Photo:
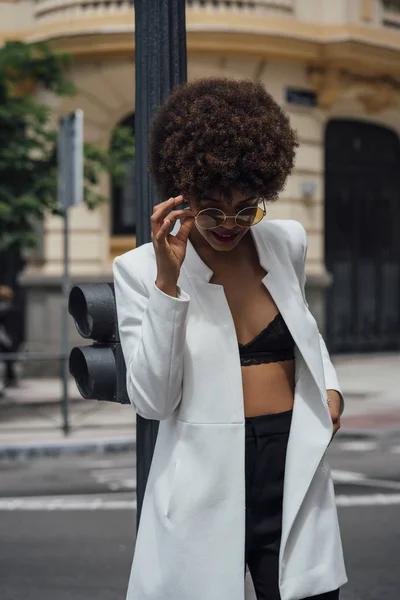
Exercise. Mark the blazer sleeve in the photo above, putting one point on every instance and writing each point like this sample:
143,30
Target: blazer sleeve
331,378
152,327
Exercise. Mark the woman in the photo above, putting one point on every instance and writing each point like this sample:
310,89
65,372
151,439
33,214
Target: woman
221,348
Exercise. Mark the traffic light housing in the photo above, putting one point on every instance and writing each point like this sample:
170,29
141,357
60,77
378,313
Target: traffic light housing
98,369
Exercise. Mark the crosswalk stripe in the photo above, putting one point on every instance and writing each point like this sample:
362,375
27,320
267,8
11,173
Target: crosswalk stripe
65,503
368,500
358,446
87,503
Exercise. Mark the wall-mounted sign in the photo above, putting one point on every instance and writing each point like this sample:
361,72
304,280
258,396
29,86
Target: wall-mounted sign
301,96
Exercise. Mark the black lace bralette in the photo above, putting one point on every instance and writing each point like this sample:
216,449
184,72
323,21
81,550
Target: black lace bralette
272,344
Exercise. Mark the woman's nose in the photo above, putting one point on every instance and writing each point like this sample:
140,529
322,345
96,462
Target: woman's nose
230,223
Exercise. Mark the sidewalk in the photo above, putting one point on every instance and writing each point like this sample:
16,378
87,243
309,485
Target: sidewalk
371,388
31,417
31,422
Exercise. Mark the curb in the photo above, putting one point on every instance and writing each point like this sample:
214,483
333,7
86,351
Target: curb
67,447
128,444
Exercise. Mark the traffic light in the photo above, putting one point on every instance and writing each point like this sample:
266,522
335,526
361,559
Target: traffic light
99,370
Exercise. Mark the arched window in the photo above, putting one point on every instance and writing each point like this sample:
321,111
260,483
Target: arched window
123,197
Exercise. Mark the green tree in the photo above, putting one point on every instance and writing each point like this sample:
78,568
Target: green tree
28,143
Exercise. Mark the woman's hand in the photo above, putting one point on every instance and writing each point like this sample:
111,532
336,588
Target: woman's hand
334,409
170,250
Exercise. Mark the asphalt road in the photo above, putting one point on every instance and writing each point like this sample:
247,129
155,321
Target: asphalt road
67,526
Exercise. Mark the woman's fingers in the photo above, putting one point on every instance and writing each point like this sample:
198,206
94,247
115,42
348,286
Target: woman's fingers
170,201
185,228
177,214
165,227
160,210
163,231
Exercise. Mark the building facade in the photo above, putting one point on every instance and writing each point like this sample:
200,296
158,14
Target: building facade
333,66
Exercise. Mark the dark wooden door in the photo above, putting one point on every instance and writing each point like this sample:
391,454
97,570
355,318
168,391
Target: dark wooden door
362,237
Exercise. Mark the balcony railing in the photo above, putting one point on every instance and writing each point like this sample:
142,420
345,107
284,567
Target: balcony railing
47,11
279,6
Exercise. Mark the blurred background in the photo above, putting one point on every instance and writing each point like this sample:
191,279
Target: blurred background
67,509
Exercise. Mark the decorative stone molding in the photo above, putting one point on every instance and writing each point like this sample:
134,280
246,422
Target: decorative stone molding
367,12
382,96
327,83
375,93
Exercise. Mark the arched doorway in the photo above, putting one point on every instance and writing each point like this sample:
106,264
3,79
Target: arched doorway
362,236
123,221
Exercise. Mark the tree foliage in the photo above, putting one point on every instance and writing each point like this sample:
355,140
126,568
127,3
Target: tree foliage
28,143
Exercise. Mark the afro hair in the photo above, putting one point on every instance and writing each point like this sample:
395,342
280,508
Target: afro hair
219,134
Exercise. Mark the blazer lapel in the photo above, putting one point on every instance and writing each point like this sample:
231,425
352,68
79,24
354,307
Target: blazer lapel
304,451
282,283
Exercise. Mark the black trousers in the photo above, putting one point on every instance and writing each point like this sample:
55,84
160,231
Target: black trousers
266,444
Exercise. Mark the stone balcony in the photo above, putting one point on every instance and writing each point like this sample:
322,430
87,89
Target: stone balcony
306,31
51,11
87,15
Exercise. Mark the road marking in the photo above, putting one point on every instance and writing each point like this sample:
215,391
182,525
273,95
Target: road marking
362,480
55,503
96,463
368,500
346,476
125,484
358,446
116,480
395,450
112,502
72,503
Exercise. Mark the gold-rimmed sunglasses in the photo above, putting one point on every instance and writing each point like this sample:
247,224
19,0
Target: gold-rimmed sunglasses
211,218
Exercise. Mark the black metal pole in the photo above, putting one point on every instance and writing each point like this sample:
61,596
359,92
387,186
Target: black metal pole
160,57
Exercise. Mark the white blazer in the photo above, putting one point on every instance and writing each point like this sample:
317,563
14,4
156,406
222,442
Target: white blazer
183,369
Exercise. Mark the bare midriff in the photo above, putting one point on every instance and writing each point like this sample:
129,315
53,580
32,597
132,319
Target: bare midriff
268,388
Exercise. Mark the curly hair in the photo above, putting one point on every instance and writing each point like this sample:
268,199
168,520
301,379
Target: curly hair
219,134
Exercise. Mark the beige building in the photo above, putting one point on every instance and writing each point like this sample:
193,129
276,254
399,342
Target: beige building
333,65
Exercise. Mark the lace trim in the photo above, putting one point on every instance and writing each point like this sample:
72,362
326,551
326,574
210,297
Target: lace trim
263,358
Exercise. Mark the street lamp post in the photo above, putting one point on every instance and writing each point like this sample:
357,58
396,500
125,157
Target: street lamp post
160,58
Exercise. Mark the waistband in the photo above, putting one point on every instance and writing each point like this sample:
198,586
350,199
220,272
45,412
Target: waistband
268,424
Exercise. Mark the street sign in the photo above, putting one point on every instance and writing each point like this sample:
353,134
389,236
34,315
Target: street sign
301,97
70,193
70,159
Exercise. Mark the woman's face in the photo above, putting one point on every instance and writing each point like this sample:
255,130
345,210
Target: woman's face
226,236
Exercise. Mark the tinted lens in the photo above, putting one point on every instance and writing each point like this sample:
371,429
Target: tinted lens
249,216
210,218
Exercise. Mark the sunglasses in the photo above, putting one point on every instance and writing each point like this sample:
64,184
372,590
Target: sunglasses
211,218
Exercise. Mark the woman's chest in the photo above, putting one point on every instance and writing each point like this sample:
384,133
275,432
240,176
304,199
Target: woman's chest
250,303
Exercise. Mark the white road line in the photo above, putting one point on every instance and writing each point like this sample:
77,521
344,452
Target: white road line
395,450
125,484
358,446
112,474
362,480
71,503
115,479
53,503
368,500
95,463
346,476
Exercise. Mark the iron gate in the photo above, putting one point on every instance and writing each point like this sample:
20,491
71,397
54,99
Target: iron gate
362,236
